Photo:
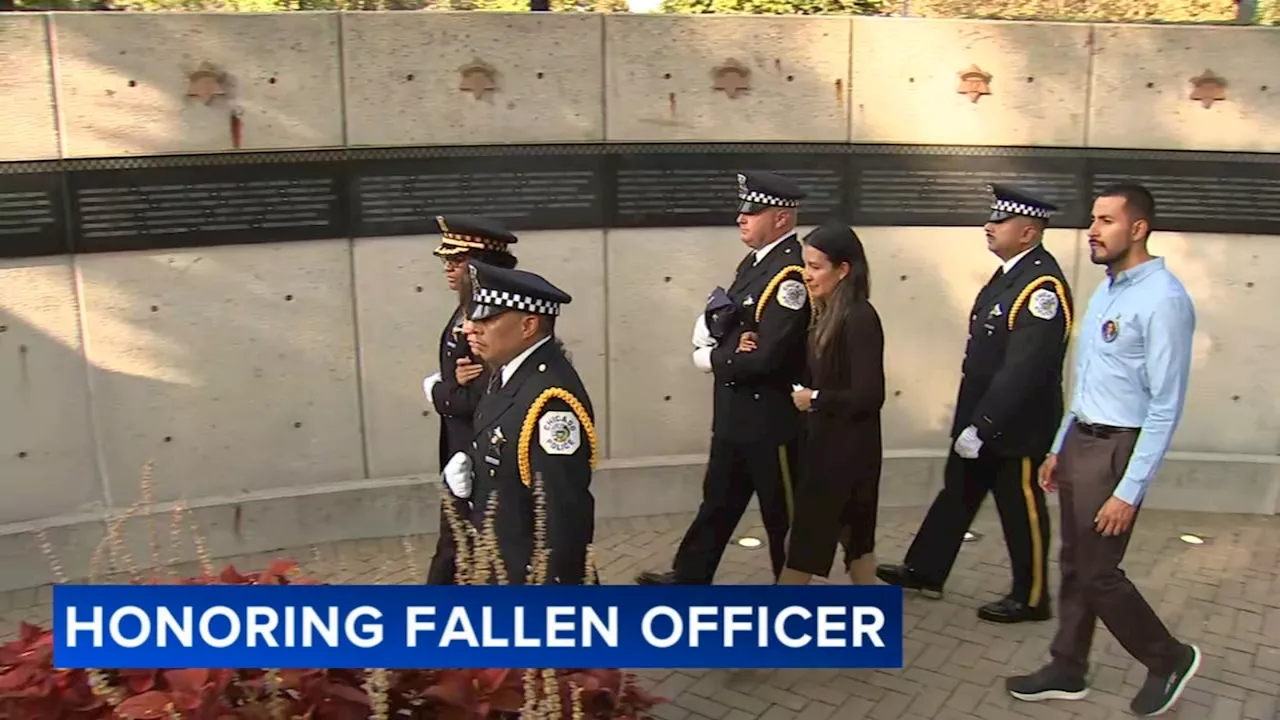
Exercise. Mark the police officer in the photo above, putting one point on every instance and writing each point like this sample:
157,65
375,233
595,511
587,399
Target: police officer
455,391
534,428
753,339
1006,416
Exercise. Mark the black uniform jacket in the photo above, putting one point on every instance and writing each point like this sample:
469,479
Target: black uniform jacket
1018,333
541,421
753,390
456,404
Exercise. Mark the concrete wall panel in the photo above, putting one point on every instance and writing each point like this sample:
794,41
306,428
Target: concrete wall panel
46,445
120,95
923,283
1142,87
658,283
660,78
27,113
404,72
233,368
404,304
1231,404
906,73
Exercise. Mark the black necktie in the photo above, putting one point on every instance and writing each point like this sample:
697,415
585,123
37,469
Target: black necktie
495,381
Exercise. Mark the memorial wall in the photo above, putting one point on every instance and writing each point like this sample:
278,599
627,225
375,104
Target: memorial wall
216,235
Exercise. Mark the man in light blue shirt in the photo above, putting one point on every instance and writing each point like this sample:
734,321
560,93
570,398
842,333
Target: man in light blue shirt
1132,368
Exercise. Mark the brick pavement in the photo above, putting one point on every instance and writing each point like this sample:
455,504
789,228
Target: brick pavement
1224,595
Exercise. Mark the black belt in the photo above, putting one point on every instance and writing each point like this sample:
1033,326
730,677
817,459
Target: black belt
1102,432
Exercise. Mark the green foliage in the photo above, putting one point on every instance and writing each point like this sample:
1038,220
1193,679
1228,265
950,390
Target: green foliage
1082,10
1269,12
780,7
1174,11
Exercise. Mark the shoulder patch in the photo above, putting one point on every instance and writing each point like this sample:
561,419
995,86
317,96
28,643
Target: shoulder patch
1043,304
792,294
559,432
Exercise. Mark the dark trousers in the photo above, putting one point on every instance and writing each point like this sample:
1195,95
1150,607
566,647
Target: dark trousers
734,471
442,570
1093,585
1023,515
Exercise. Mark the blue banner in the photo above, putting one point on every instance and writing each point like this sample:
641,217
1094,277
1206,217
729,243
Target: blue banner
404,626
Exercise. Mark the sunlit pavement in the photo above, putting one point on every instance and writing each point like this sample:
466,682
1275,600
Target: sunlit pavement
1223,595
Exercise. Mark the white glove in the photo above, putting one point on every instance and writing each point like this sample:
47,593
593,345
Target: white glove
968,444
701,335
457,475
702,359
429,386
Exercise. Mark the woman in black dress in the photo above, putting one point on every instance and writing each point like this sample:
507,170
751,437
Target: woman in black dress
841,455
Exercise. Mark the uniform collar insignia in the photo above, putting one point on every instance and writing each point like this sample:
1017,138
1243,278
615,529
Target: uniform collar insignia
749,301
497,439
995,311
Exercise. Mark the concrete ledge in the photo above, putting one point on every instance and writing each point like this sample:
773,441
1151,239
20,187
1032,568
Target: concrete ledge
392,507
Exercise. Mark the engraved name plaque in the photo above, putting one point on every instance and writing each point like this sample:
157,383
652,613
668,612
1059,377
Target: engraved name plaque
192,206
403,198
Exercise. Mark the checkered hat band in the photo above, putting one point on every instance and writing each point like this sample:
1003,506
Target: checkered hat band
766,199
515,301
473,242
1018,208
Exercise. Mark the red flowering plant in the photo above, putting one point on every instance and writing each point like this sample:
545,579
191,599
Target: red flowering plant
31,688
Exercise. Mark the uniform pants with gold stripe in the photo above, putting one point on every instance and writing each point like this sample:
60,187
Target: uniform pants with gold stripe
735,470
1023,514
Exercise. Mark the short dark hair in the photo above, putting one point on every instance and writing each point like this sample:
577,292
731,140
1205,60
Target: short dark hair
1138,202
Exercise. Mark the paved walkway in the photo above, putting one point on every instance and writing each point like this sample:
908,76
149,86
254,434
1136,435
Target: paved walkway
1224,595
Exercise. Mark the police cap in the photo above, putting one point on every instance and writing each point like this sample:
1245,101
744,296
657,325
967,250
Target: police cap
759,189
1008,202
464,233
496,290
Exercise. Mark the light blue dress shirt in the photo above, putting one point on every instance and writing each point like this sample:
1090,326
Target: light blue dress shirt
1133,364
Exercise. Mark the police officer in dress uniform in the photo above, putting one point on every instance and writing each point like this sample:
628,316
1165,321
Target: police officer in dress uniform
1006,417
455,391
535,420
755,424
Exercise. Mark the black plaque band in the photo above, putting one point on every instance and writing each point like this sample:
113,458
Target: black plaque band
138,203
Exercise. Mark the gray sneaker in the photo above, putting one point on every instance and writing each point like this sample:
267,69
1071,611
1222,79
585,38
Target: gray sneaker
1050,682
1158,694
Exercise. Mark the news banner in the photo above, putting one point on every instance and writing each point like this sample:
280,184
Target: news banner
402,626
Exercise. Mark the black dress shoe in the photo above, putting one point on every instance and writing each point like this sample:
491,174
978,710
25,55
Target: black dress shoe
656,578
1007,610
905,577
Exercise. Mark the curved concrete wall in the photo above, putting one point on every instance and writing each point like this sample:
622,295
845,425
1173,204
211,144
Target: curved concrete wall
276,387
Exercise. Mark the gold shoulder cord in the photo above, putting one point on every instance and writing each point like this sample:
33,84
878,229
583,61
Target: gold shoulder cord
531,419
1031,287
772,287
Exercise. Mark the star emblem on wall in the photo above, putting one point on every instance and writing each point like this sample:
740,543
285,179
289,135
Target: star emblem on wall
731,77
974,82
478,78
206,83
1208,87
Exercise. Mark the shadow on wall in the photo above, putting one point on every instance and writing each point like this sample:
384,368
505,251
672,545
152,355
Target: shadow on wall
235,368
405,74
661,80
118,96
1147,72
258,345
48,457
